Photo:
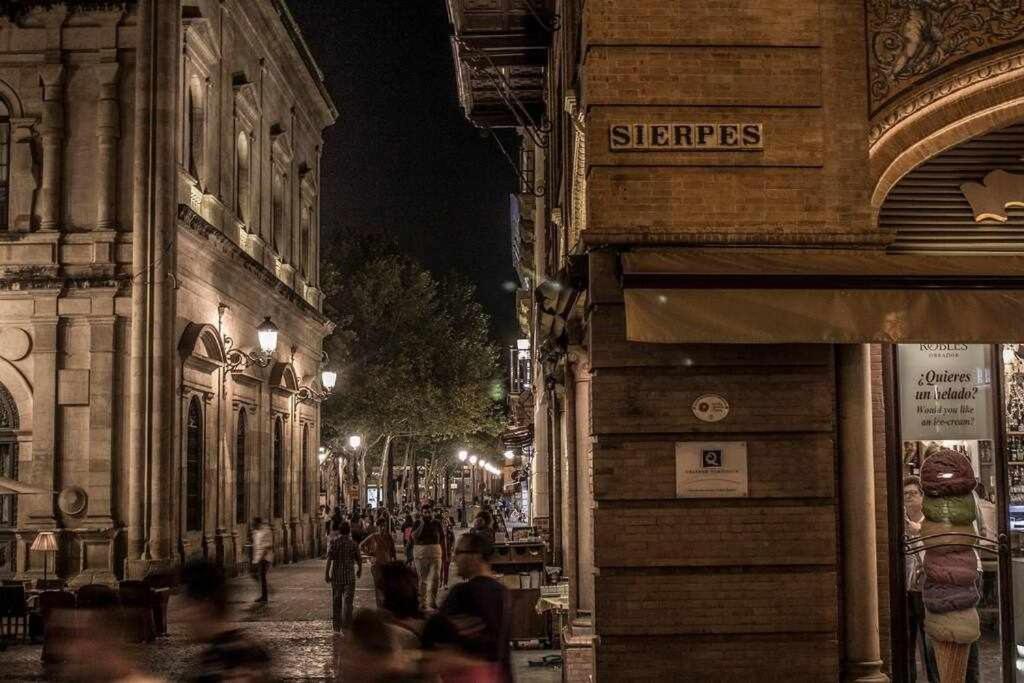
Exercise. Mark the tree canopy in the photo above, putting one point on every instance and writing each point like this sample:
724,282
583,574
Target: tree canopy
415,353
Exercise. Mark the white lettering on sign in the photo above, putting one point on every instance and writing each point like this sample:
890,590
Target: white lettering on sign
946,392
696,137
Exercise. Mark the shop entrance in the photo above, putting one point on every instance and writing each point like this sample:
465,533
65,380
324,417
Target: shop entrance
967,399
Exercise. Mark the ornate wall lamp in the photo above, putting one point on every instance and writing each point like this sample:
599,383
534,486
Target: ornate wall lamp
239,360
328,378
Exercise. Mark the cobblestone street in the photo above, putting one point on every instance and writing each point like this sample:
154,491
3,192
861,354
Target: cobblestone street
295,625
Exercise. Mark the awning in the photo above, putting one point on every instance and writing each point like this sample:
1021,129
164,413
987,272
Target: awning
8,485
822,297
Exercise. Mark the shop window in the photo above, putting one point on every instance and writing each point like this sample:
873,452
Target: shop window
196,127
194,453
5,162
8,456
278,466
240,469
243,179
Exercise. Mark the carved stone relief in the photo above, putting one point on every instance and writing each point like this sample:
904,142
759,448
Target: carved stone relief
911,40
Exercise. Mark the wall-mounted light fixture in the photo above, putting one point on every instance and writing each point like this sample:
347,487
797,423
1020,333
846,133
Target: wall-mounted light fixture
239,360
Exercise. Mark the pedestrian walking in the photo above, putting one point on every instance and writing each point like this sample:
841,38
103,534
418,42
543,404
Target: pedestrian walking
428,553
380,546
344,566
407,528
262,555
475,617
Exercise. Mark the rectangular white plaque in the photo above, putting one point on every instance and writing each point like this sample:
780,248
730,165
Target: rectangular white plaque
711,469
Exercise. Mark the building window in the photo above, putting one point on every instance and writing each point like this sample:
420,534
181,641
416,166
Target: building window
278,465
194,466
277,238
243,179
303,470
240,484
8,456
304,257
196,127
5,162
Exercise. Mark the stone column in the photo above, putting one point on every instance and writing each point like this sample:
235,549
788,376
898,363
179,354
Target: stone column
108,130
23,176
862,661
584,498
570,450
52,131
540,491
43,470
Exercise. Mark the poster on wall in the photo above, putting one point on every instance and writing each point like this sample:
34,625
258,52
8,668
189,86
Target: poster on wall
706,469
946,392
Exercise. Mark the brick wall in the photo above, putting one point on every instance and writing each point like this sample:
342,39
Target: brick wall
797,68
711,589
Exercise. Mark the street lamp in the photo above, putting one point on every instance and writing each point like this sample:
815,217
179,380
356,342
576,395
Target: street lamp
472,459
238,359
322,454
509,454
463,455
355,441
328,378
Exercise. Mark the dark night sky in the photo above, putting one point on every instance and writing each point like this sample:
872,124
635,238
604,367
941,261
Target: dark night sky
402,160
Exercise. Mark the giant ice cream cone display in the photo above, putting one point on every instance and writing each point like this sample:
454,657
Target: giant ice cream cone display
950,598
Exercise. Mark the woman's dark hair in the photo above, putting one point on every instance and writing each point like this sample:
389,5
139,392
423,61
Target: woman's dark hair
399,588
477,544
205,582
911,480
371,632
343,528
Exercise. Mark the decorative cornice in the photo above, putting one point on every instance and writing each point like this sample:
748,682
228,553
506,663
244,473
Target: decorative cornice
197,224
1002,65
911,42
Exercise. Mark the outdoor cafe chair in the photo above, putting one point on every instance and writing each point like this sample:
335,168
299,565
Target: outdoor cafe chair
96,596
138,606
13,611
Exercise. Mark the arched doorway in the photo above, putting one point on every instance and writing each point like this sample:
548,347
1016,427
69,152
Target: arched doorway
194,453
9,425
278,467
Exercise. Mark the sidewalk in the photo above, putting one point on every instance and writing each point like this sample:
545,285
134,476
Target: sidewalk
295,625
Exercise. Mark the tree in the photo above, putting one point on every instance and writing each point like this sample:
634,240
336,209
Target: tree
416,355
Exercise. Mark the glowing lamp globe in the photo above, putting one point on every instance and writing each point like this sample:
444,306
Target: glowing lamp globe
328,378
267,333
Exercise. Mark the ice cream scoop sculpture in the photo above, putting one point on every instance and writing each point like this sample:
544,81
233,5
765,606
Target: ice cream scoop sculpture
950,596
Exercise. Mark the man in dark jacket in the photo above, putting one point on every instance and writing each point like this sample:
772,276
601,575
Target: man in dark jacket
428,552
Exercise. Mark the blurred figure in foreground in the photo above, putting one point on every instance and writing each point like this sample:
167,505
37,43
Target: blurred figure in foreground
342,556
469,636
380,546
229,654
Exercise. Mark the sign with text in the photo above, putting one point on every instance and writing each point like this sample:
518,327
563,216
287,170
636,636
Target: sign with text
686,137
946,392
711,469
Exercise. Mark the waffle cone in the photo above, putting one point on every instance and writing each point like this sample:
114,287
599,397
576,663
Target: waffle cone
951,659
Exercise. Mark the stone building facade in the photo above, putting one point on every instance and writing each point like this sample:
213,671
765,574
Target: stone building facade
159,198
760,202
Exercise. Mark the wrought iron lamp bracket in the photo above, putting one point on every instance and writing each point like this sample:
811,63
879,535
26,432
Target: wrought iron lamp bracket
240,360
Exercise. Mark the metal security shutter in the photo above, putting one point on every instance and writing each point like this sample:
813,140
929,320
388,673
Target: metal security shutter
929,212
